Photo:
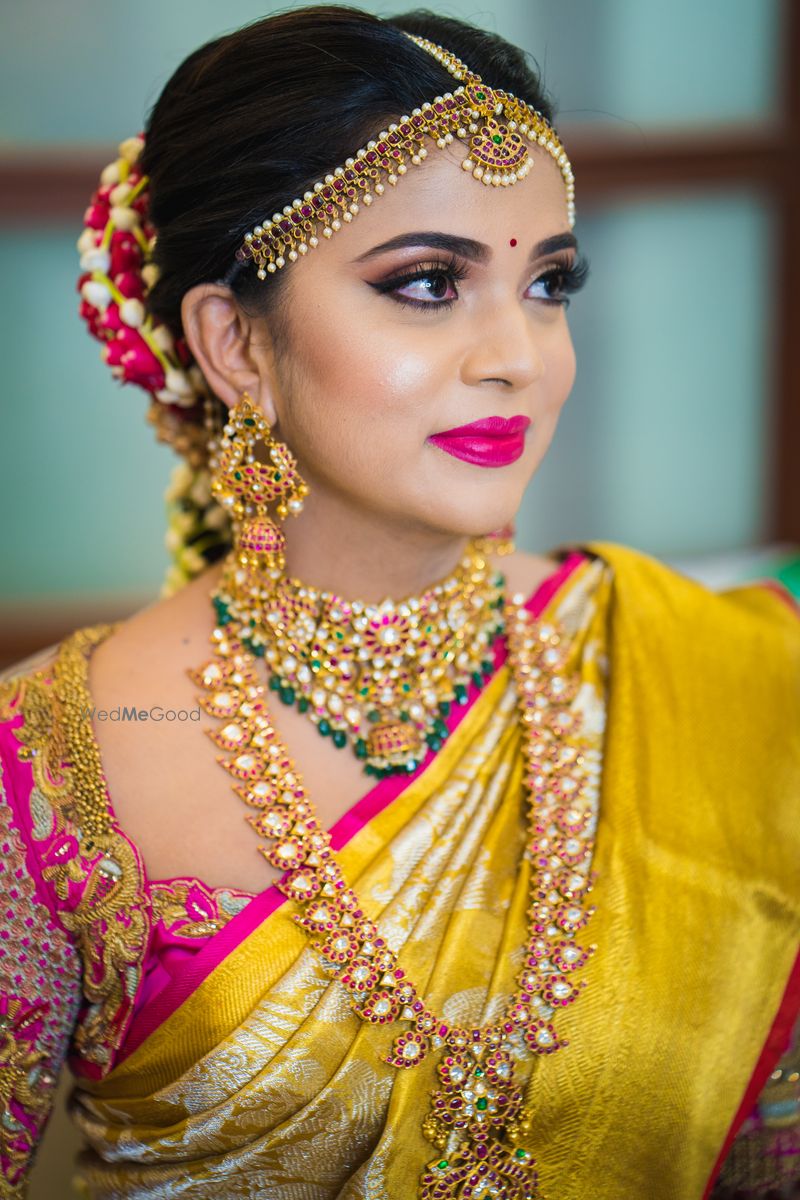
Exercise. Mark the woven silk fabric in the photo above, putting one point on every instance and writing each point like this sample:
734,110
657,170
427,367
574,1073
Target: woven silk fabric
264,1083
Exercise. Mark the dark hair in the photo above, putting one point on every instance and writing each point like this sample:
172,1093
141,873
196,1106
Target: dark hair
252,119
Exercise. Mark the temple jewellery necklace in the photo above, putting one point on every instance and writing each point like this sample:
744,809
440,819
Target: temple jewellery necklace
477,1120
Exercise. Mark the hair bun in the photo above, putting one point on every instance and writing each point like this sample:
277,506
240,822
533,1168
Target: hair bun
116,249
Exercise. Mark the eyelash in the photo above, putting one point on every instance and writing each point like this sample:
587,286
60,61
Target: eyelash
570,276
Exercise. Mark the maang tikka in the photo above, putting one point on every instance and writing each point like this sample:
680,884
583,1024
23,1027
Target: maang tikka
245,487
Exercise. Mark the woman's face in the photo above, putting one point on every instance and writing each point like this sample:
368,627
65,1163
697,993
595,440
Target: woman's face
439,305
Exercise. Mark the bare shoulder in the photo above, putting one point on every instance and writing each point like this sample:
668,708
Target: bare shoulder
149,651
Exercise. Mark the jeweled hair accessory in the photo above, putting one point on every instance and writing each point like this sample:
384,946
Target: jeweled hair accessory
500,129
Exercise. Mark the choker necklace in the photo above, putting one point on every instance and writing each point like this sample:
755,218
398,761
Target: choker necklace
379,677
477,1119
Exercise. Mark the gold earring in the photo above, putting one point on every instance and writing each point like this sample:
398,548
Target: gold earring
245,487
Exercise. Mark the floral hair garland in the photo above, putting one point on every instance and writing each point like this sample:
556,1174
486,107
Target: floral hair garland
116,249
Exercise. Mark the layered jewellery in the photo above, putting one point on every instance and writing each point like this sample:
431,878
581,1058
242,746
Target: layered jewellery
500,129
379,677
477,1119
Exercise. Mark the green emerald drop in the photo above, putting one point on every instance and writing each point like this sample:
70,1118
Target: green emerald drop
274,683
302,704
287,695
444,708
361,748
496,138
482,1104
324,727
339,738
249,421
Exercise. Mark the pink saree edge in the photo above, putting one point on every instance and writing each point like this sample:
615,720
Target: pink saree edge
774,1047
789,1007
263,905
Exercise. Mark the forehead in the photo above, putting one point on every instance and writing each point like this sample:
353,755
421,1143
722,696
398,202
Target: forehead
439,194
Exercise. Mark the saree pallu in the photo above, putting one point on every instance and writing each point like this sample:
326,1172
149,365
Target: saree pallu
250,1076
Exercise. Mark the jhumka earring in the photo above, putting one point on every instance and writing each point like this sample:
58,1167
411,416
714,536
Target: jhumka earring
245,487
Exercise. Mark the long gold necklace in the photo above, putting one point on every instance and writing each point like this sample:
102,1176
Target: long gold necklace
477,1119
380,677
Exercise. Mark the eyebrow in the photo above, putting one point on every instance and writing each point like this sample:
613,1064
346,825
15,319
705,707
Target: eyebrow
465,247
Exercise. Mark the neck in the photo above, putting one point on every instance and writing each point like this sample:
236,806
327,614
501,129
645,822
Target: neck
360,555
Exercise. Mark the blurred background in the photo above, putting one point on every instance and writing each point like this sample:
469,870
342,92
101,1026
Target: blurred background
682,435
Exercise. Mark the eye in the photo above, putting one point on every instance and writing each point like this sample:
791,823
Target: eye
433,285
562,279
435,280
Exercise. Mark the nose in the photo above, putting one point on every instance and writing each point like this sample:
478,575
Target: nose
505,347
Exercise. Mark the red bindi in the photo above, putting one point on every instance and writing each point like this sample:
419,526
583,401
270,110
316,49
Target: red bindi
513,242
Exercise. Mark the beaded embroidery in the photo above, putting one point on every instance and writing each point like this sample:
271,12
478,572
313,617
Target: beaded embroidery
36,960
190,909
94,869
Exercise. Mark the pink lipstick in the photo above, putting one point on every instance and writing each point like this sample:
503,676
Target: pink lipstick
493,442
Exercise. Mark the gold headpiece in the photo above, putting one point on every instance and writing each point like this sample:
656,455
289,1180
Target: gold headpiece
498,125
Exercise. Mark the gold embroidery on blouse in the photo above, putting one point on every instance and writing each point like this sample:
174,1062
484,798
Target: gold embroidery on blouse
95,870
189,908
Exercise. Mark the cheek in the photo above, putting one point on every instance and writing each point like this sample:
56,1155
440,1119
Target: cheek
368,370
560,372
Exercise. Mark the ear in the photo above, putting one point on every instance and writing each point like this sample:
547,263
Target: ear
220,336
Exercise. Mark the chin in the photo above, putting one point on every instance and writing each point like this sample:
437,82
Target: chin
477,516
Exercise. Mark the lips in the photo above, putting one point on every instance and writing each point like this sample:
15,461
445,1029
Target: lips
492,442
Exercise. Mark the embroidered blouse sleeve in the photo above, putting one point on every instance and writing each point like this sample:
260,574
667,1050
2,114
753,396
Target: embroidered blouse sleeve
40,987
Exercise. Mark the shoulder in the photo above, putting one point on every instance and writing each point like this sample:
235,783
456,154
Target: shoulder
147,652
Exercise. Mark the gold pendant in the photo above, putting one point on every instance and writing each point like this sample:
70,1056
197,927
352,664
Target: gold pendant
481,1171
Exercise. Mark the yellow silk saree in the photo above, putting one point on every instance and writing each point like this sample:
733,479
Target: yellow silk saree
250,1076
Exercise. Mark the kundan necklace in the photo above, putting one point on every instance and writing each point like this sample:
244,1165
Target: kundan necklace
477,1119
380,677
